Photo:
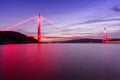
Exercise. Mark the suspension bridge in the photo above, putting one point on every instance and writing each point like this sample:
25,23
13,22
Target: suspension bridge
39,36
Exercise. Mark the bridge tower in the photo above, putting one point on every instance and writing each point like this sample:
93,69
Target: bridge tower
39,29
105,37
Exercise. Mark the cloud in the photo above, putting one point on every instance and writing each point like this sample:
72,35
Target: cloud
93,21
116,34
116,9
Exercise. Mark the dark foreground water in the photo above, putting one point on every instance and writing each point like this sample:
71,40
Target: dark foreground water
60,62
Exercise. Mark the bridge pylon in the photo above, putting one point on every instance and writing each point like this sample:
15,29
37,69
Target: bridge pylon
105,37
39,29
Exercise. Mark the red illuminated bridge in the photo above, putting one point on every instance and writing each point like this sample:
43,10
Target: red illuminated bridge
39,36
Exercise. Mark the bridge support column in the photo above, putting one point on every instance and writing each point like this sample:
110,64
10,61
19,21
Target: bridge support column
39,29
105,37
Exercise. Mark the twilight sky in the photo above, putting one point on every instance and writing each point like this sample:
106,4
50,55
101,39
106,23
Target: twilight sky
75,17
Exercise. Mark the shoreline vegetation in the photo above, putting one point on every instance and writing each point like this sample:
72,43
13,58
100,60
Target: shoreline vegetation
12,37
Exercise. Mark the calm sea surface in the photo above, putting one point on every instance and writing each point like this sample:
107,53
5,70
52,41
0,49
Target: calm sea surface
60,62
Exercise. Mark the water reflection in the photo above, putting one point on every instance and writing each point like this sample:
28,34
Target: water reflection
60,62
28,62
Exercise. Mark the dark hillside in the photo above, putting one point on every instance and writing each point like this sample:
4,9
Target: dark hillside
7,37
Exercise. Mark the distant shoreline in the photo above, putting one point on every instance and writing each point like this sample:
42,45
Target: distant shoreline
11,37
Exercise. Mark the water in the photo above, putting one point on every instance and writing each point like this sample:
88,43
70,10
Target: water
60,62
